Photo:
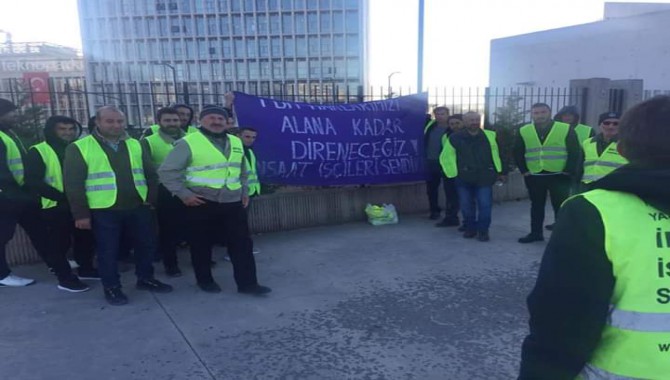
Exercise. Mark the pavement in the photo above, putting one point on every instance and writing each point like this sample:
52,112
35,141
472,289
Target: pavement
353,301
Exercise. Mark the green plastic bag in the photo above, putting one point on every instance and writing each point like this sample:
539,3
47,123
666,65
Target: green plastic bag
380,215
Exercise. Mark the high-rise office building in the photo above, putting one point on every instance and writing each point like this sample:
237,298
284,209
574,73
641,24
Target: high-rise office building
267,47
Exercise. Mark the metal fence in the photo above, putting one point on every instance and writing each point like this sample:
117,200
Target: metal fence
140,101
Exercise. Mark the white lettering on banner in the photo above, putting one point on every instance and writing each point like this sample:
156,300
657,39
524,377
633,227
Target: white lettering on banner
342,151
377,127
372,167
283,169
385,105
308,125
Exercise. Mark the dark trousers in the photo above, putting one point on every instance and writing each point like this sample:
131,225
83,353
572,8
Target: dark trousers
108,226
62,235
435,177
170,213
476,204
558,187
27,215
206,225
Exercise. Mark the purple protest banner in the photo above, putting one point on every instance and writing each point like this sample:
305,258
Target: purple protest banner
339,144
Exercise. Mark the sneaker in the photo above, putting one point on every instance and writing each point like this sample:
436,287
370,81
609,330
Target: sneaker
447,223
115,296
16,281
153,285
210,287
88,274
469,234
530,238
434,216
173,271
73,285
550,227
483,236
73,264
255,290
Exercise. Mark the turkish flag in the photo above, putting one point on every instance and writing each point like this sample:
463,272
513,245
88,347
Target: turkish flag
39,86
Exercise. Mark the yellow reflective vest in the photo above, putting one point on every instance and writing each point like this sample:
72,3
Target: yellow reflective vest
596,167
252,174
583,132
159,148
101,187
448,157
53,175
635,342
13,158
550,156
155,128
209,167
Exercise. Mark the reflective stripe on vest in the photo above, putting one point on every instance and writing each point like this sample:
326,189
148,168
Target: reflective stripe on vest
596,167
550,156
101,190
448,156
209,167
158,148
430,123
252,174
13,158
635,342
53,175
583,132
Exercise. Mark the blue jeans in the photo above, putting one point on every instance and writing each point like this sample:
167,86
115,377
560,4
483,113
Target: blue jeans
107,227
476,202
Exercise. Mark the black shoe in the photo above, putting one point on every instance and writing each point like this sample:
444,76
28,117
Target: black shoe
461,229
153,285
88,274
173,271
447,223
210,287
255,290
469,234
483,236
434,216
550,227
115,296
530,238
73,285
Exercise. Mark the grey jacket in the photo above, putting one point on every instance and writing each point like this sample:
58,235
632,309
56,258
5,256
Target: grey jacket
172,174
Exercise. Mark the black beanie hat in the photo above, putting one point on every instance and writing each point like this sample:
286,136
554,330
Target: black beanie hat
608,115
214,109
6,106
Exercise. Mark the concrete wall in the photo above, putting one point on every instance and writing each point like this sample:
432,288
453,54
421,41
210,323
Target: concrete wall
287,211
621,48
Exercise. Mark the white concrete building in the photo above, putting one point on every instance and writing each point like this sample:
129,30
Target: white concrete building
630,43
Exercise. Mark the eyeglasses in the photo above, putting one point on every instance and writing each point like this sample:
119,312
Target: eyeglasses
613,123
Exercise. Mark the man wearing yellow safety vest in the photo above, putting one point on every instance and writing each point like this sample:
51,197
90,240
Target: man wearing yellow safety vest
207,171
601,155
547,154
601,306
570,115
473,158
110,184
44,177
17,204
248,136
185,113
436,131
169,209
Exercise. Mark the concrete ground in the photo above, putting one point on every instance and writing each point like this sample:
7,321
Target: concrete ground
408,301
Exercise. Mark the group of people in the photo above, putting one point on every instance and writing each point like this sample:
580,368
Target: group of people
558,156
177,184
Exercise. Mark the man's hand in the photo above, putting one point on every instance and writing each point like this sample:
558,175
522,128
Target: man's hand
229,98
83,224
245,201
193,201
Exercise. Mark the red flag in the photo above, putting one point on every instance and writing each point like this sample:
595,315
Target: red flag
39,86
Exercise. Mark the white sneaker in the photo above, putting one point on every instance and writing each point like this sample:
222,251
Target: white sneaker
16,281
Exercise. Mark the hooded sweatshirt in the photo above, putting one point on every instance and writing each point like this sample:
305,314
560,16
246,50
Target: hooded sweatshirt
569,110
570,302
35,166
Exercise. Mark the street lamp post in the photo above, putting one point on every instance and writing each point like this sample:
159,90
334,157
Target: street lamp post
174,77
390,95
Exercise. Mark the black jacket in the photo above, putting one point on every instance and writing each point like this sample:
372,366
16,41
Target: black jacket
35,167
10,190
426,134
571,143
474,158
570,302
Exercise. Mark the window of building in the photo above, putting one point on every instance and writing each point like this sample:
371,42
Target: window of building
193,73
261,5
289,47
326,46
185,6
325,22
289,73
213,47
312,23
312,4
163,27
165,50
303,72
327,68
203,49
212,26
265,70
200,27
299,4
277,69
179,71
236,5
351,4
263,47
253,70
339,68
301,46
338,45
187,27
287,23
228,70
224,25
241,68
250,23
237,25
353,68
262,24
210,6
274,24
239,48
217,71
153,49
300,23
338,22
161,7
227,48
223,6
178,50
351,21
273,5
314,48
275,46
248,5
129,51
138,29
191,52
141,51
286,5
352,44
175,28
336,4
127,28
314,69
324,4
251,48
204,71
199,6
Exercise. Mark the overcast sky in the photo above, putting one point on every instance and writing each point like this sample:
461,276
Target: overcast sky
457,33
